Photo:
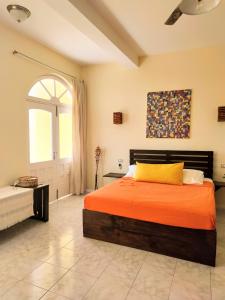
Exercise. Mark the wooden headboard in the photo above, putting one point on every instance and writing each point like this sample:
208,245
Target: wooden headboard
199,160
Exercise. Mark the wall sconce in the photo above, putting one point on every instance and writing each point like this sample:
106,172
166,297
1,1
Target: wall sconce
221,114
117,118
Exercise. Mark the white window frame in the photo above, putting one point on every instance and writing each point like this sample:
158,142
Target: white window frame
38,103
51,109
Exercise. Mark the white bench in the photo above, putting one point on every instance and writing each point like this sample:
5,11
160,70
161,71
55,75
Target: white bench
16,205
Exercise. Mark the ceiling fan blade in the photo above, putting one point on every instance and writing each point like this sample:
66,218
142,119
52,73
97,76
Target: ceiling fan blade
176,14
198,7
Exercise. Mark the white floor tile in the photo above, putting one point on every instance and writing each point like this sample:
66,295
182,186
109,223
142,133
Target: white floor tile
24,291
53,296
108,287
191,281
46,275
136,295
73,285
64,258
6,282
37,256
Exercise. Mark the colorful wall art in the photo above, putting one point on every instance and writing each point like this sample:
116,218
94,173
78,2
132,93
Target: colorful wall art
169,114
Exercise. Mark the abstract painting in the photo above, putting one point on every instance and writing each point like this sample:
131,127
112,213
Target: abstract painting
169,114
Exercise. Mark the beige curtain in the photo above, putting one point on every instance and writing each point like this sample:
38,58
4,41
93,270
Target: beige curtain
78,168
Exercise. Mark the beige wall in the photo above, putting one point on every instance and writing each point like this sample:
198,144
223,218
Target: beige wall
115,88
16,77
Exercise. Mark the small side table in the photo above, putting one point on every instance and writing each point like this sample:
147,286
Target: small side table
114,175
41,202
219,184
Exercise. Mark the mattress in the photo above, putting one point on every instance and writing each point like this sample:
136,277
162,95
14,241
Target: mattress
189,206
16,205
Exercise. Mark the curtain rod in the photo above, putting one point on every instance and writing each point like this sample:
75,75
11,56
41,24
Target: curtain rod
15,52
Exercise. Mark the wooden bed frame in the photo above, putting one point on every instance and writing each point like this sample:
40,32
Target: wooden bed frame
195,245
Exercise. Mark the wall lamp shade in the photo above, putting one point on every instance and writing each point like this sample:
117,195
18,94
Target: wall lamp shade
117,118
221,114
18,13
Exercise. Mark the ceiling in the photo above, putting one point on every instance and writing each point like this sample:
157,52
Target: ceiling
143,21
53,30
99,31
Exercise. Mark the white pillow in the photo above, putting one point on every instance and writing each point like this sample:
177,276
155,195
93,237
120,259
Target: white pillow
191,176
208,179
131,171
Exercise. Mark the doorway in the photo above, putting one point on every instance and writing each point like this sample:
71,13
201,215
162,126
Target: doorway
50,135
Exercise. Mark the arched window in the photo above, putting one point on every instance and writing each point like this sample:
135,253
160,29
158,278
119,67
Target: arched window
50,120
51,89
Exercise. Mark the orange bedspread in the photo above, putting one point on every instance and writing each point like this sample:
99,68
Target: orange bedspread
190,206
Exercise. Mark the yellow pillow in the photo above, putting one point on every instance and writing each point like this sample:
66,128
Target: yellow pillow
160,173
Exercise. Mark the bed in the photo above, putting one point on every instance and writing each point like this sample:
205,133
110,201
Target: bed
167,226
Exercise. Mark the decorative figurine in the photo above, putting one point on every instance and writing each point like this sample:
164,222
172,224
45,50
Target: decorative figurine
97,158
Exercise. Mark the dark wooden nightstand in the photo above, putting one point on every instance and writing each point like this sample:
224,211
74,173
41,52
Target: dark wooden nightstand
219,184
41,202
114,175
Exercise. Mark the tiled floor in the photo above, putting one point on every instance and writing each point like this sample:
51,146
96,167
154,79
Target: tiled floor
53,261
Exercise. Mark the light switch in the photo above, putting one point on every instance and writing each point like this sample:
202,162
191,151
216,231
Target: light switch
120,163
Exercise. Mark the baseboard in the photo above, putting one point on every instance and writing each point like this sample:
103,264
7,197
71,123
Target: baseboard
66,196
86,192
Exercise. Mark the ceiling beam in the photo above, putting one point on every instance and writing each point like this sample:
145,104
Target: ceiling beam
82,15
